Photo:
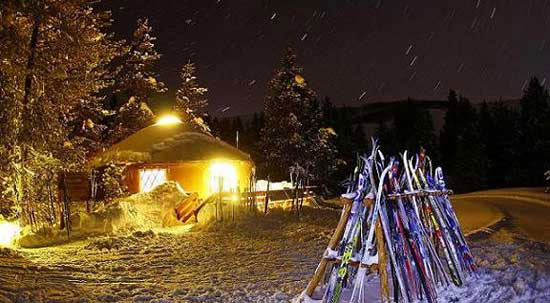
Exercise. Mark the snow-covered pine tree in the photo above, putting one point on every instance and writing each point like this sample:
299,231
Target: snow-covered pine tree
52,55
191,100
134,82
291,134
86,125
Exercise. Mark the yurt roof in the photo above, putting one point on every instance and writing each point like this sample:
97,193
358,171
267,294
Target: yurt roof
168,144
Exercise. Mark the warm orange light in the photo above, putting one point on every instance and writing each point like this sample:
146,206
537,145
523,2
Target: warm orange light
224,171
168,120
8,233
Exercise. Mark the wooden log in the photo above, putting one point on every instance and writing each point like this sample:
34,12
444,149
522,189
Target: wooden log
333,243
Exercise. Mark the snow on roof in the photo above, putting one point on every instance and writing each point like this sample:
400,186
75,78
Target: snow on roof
168,144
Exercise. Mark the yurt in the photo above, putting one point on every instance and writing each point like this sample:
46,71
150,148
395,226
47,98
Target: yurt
170,151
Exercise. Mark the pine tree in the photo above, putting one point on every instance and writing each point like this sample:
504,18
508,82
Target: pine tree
534,136
53,54
329,113
135,81
412,128
292,124
86,125
469,149
503,147
136,76
471,165
191,99
385,135
449,133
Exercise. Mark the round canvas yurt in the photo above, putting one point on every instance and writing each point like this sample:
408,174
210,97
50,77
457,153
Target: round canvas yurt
170,151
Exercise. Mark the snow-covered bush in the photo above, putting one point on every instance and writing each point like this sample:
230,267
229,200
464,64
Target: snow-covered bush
112,181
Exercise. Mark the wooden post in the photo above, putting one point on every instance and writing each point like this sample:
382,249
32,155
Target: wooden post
233,207
220,198
382,264
333,243
267,195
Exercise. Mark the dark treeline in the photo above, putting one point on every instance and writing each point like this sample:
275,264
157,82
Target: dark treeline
490,145
350,139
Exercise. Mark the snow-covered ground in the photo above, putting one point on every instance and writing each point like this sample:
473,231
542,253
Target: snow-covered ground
510,270
259,259
263,259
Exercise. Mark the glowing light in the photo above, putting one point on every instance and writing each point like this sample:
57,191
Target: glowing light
224,171
8,232
151,178
168,120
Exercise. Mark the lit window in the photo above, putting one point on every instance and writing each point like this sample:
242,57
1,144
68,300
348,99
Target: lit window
228,175
151,178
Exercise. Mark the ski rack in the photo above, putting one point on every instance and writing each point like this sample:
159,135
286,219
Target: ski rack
410,238
420,193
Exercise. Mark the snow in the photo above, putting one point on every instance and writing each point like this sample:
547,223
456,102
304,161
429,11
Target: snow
256,259
140,211
261,185
168,143
508,272
260,259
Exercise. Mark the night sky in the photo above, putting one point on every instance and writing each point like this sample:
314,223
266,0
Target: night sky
352,51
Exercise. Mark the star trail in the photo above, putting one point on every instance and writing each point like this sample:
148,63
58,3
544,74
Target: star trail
352,51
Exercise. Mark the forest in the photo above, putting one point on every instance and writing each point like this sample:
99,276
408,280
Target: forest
507,142
70,88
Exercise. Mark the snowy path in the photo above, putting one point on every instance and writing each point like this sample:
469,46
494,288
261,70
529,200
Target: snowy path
524,212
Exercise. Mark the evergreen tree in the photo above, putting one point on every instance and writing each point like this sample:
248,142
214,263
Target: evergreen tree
136,76
135,81
254,131
471,165
360,139
345,140
412,128
329,113
534,136
292,128
385,135
191,100
85,123
449,133
214,126
54,55
502,147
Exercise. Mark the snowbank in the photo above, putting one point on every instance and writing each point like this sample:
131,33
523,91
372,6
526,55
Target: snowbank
142,211
517,271
261,185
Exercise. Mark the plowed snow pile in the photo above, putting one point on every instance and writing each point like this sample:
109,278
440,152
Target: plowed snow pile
141,211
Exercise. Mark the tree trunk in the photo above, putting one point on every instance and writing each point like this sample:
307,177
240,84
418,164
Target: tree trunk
24,112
